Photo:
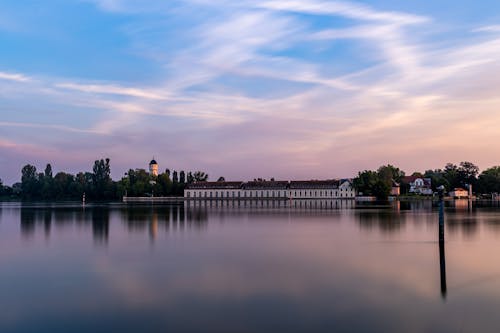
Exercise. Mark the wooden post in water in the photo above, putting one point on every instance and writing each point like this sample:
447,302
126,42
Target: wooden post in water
469,199
442,261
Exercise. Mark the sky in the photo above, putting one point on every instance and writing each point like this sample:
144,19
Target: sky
290,89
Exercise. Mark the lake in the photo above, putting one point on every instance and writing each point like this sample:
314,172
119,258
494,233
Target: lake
302,266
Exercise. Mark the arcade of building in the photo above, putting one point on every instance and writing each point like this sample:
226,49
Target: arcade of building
315,189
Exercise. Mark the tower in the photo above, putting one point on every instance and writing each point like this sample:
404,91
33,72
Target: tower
153,168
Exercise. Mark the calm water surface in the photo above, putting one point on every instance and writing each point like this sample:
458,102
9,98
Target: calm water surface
252,267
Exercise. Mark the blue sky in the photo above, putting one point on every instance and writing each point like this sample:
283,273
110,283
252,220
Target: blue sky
273,88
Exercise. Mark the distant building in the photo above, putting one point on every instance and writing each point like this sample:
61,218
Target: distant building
153,168
459,193
418,185
315,189
395,188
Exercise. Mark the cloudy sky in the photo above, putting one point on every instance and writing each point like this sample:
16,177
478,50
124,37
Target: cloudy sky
291,89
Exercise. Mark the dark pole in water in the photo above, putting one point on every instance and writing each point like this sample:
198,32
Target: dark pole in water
442,262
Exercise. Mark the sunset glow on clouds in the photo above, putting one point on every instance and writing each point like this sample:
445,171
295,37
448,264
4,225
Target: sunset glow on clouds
279,88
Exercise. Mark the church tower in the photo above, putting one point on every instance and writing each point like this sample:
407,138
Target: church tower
153,168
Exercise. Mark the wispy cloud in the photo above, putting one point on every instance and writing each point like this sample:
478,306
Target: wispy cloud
346,9
114,90
14,77
488,28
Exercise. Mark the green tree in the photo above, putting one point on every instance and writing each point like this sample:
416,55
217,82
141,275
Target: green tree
182,177
452,176
365,182
437,178
190,178
175,177
489,180
200,176
101,180
381,189
47,183
388,173
48,171
30,186
468,172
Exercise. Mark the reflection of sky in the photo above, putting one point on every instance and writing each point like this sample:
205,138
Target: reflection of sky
247,89
236,269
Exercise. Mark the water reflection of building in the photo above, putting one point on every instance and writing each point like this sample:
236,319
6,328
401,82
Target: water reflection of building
315,204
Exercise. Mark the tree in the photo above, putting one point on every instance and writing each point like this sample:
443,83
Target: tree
381,190
451,174
47,183
378,183
190,177
467,173
200,176
388,173
48,171
182,177
29,182
437,178
489,180
365,182
101,179
221,179
175,177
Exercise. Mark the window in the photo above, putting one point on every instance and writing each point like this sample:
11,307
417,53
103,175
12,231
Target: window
189,194
210,194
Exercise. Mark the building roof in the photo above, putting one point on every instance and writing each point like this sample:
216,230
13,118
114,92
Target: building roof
314,184
258,185
152,162
214,185
411,179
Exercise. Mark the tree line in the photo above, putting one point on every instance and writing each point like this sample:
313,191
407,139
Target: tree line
379,182
97,185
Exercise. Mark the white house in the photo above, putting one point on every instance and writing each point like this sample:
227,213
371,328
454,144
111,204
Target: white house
419,185
459,193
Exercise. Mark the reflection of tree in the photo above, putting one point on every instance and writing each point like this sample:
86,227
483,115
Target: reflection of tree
100,224
385,220
27,221
47,221
467,223
139,218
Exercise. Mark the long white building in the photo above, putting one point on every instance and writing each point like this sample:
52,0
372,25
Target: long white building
315,189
